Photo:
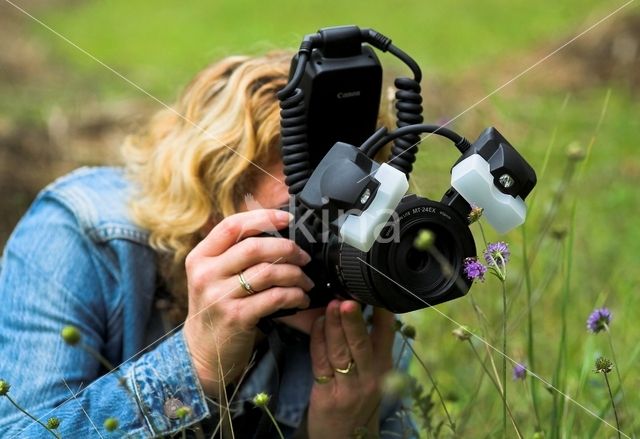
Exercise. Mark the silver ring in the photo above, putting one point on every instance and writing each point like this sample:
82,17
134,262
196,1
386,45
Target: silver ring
347,369
246,285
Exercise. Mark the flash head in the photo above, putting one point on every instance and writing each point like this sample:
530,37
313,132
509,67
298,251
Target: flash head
493,175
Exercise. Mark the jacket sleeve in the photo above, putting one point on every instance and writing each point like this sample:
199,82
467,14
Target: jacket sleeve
49,279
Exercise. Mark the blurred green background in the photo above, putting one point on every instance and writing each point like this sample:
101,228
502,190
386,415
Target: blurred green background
60,108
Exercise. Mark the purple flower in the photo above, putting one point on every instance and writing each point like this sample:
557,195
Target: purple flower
474,270
497,253
519,372
599,320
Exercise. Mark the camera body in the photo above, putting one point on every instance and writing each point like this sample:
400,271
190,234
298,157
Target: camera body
352,214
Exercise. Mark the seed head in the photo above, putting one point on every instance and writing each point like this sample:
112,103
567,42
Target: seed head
183,412
111,424
575,153
603,365
409,331
424,240
519,372
4,387
71,335
462,333
261,399
558,233
474,270
53,423
599,320
475,214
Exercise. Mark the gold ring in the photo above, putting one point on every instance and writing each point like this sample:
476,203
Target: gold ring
347,369
323,379
245,284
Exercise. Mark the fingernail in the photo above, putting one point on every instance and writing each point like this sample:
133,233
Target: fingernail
311,283
284,216
305,257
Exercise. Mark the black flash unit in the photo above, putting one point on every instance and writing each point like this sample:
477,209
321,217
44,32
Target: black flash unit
342,83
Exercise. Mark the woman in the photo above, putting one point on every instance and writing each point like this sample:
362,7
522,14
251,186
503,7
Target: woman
125,256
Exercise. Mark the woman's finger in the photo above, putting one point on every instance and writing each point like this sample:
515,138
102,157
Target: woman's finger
322,371
337,348
241,225
357,337
265,275
252,251
255,306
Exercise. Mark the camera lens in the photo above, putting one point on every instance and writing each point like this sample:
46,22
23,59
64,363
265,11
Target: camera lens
428,268
398,276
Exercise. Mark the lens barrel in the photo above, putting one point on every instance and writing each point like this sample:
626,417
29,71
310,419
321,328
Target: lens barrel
396,275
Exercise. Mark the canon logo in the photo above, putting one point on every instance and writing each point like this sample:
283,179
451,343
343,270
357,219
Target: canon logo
348,94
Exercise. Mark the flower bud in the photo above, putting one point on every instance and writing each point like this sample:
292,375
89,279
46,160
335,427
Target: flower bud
475,214
71,335
575,153
111,424
603,365
4,387
409,331
461,333
183,412
424,240
558,233
53,423
261,399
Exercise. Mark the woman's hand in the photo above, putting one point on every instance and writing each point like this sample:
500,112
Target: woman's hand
341,403
220,328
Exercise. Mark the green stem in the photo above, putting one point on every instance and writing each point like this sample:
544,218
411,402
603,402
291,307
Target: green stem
497,386
617,369
29,415
266,409
560,374
504,357
613,404
470,406
482,318
433,383
484,238
98,356
530,346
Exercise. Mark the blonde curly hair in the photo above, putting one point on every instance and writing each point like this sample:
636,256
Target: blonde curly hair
193,164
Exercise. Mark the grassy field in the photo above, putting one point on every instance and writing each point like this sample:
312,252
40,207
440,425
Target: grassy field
582,227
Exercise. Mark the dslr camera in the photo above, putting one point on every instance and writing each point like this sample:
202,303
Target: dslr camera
352,214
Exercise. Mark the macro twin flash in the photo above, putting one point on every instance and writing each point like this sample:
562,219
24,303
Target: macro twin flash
352,214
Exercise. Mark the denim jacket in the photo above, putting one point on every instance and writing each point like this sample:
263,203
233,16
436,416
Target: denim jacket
77,259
